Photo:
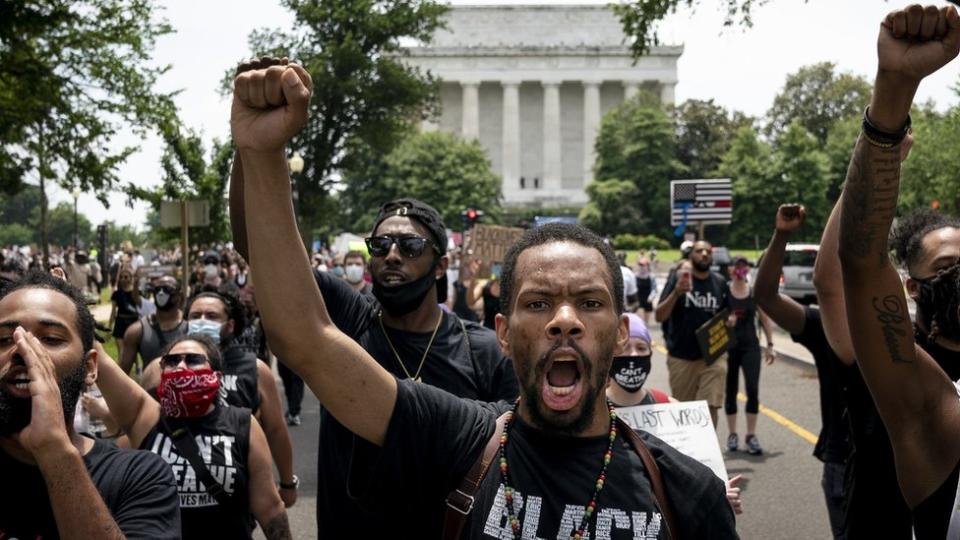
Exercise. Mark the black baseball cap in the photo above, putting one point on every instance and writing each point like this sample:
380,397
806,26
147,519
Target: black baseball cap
426,215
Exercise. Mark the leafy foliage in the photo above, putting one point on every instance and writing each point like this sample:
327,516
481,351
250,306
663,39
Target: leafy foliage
703,132
817,97
447,172
640,17
635,163
72,74
362,91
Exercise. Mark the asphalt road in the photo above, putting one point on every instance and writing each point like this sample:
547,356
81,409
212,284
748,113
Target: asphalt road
782,498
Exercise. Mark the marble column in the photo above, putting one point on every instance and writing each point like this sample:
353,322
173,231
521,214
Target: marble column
510,164
630,89
591,123
471,109
552,154
666,92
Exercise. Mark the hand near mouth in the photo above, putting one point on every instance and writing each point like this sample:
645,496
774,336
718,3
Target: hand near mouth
47,432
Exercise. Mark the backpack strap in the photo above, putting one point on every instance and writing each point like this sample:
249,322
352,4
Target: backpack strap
460,500
653,471
187,446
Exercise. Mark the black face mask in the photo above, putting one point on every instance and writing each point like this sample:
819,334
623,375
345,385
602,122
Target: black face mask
938,301
399,300
630,372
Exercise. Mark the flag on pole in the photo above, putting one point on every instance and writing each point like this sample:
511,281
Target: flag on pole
706,201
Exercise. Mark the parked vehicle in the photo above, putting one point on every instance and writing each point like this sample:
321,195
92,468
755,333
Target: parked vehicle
797,278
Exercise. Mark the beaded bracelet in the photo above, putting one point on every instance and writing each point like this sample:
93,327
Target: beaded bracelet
880,138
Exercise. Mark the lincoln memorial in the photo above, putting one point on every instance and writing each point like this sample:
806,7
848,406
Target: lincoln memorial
532,82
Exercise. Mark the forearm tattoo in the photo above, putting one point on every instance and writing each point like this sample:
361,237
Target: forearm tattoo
870,201
891,314
278,528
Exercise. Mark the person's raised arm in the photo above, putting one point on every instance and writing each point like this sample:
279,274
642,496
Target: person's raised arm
782,309
269,108
828,282
265,503
916,400
672,292
130,405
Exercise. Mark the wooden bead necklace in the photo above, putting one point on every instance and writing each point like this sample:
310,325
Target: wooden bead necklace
590,509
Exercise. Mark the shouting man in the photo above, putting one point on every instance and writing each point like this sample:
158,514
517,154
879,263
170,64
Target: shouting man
59,483
565,467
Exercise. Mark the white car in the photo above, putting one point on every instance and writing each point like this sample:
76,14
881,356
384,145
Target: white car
797,278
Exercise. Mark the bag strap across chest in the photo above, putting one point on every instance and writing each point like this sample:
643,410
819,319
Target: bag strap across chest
460,500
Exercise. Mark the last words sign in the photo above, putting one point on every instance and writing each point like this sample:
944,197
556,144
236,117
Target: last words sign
685,426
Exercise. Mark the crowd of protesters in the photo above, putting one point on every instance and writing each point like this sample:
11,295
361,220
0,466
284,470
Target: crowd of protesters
462,405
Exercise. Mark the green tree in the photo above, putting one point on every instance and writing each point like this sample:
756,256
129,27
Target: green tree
636,144
932,172
606,212
703,132
749,165
442,169
640,17
817,97
362,90
73,74
187,174
61,226
801,172
840,142
17,234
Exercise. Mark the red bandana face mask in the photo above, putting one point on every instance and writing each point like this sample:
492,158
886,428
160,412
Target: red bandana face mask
188,393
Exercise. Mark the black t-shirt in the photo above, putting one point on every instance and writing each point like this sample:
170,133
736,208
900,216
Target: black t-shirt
709,296
434,438
833,445
470,366
126,308
137,487
491,306
223,439
871,484
240,377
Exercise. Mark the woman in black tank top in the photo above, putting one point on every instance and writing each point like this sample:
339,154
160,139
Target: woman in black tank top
227,440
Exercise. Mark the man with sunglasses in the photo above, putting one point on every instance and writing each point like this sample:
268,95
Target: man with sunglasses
404,330
151,333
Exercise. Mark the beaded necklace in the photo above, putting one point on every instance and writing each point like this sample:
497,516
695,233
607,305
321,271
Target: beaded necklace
591,507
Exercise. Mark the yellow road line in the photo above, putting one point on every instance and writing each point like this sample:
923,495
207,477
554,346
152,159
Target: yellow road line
797,429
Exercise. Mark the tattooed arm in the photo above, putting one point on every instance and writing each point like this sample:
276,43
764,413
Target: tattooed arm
916,400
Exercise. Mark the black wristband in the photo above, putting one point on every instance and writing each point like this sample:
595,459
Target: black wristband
881,138
292,485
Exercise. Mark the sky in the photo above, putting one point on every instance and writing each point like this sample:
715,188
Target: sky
740,68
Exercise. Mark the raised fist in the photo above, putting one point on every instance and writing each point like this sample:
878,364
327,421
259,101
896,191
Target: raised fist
916,41
270,104
790,217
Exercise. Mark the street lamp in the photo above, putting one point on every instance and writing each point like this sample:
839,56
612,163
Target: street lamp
296,163
76,227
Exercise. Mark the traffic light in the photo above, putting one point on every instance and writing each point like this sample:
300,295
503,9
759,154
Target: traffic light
102,245
470,217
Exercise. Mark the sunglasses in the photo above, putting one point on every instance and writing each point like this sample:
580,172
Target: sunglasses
410,246
167,289
192,360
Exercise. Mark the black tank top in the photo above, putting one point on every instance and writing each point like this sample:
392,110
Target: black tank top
153,340
223,437
240,377
746,329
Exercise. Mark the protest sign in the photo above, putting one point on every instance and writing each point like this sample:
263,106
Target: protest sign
715,337
489,244
686,426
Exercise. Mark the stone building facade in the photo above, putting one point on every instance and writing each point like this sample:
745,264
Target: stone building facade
532,83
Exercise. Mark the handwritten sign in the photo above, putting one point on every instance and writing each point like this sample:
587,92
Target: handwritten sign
489,245
686,426
715,337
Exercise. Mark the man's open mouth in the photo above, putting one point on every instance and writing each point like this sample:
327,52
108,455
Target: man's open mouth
392,278
16,383
562,384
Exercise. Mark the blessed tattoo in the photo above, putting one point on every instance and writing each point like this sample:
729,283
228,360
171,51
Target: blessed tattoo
892,314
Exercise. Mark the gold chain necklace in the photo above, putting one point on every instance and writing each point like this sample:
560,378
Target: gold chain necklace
415,376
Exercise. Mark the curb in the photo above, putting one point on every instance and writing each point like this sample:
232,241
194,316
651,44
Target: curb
795,360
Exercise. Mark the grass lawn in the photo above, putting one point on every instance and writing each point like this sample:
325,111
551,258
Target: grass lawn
669,256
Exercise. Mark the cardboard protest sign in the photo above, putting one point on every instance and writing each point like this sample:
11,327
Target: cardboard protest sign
715,337
489,244
686,426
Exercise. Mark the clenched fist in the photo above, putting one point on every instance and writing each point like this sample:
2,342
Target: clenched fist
270,104
916,41
790,217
